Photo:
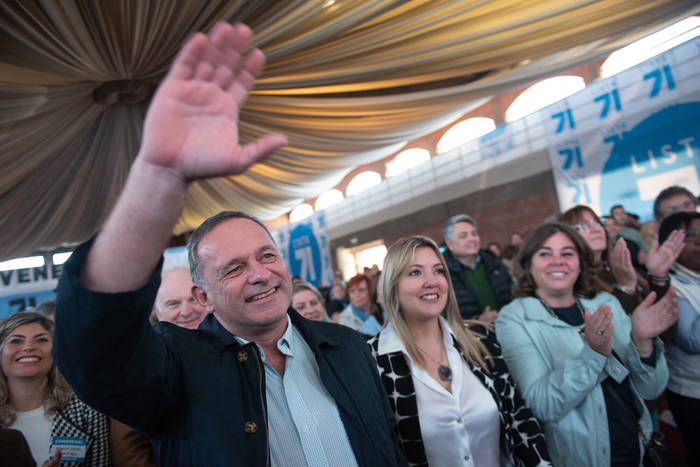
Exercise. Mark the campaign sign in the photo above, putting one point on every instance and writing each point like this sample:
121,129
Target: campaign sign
623,139
27,287
305,248
661,151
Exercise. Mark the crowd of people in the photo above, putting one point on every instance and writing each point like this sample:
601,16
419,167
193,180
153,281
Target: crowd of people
551,351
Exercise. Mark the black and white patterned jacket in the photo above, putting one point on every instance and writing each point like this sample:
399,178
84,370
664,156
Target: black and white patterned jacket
521,435
78,420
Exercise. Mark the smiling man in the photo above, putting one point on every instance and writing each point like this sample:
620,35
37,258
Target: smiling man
480,280
256,384
174,301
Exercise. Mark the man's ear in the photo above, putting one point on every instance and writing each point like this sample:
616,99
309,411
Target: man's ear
202,297
155,312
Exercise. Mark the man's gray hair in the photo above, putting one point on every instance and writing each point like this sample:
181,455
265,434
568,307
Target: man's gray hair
448,230
204,228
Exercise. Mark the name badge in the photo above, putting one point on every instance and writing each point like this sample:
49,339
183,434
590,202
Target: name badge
72,449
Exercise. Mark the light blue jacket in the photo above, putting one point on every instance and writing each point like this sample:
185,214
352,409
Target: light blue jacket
559,376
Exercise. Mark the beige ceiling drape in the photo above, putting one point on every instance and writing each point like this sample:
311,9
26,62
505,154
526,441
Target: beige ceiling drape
348,82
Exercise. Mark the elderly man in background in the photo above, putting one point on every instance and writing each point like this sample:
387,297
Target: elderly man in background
175,302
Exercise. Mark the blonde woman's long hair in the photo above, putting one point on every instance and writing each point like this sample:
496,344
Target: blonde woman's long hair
58,393
396,264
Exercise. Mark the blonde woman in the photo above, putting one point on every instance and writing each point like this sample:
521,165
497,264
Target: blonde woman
449,386
309,302
37,401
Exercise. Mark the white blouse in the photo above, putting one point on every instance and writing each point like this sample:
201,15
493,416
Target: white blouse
458,428
35,425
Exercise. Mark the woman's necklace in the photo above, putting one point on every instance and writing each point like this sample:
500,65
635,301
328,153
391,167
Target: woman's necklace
444,371
581,327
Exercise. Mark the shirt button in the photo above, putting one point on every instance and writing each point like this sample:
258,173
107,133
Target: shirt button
242,356
306,429
251,427
466,458
459,420
617,371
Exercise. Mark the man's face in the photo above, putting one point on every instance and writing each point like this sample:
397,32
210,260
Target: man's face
248,285
690,255
175,303
674,204
465,241
620,216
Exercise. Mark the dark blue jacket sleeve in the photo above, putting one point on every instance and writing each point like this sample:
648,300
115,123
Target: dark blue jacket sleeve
109,353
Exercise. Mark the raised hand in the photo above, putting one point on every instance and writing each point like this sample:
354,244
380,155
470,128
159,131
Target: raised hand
599,329
488,315
620,262
192,124
650,319
661,258
191,132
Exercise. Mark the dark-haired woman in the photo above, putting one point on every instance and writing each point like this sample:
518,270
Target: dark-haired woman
615,272
582,364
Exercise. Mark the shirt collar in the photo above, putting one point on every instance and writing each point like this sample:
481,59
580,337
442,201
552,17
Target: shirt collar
284,344
476,263
389,341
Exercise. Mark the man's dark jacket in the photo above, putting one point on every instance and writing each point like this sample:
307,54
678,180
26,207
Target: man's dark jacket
199,394
496,274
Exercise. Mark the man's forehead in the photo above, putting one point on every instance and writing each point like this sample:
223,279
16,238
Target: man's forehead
238,236
677,199
464,225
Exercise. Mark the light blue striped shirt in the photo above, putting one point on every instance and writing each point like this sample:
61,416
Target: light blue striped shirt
304,423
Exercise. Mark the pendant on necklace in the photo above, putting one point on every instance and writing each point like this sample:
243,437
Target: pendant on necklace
445,373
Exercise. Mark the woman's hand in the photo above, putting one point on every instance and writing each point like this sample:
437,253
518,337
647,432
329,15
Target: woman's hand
661,258
599,329
650,319
53,462
621,265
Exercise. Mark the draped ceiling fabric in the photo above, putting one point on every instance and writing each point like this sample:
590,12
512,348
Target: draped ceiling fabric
349,83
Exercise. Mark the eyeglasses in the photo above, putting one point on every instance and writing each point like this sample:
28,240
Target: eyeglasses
684,206
587,226
692,235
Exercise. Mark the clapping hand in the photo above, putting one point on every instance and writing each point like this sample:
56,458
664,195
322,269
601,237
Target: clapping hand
191,127
650,319
620,262
661,258
599,329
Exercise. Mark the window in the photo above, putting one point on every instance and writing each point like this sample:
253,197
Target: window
302,211
328,198
652,45
405,160
542,94
363,181
464,132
